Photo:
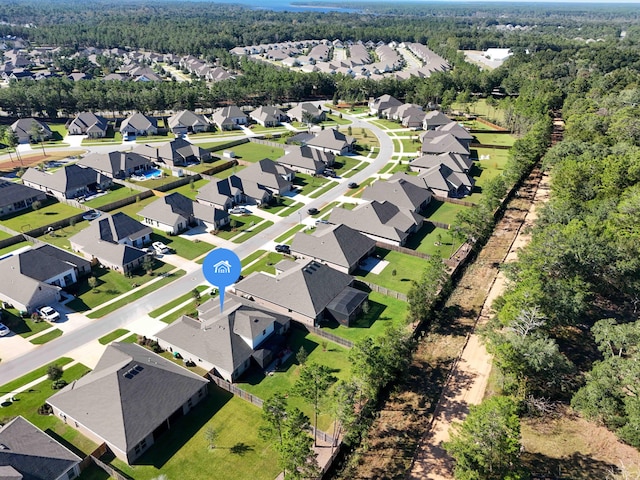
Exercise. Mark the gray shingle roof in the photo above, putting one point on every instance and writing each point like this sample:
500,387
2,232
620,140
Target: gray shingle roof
114,162
306,290
129,393
215,337
187,118
331,138
265,173
47,261
11,192
399,192
443,143
22,128
381,219
337,244
138,122
175,206
17,286
32,453
306,157
435,119
88,121
456,162
66,179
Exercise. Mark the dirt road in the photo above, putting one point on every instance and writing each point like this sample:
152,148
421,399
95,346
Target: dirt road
468,380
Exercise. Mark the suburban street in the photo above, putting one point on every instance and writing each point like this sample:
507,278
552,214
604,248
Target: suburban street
70,341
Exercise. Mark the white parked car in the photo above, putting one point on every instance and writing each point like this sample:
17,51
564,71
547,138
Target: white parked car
237,210
160,247
49,314
4,330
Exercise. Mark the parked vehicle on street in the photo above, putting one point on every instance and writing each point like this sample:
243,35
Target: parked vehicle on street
283,249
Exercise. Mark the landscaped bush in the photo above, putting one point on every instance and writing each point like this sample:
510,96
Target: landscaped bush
58,384
45,409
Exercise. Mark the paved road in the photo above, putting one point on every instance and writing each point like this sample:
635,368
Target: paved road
129,313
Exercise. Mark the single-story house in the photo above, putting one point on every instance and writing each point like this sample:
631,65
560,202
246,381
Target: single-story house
116,241
265,174
382,221
138,124
129,400
222,194
461,133
456,162
443,181
24,130
307,160
268,116
227,342
174,213
71,181
228,118
307,113
331,140
28,453
442,143
15,197
186,121
382,103
23,292
306,291
176,153
434,119
399,192
338,246
117,164
88,123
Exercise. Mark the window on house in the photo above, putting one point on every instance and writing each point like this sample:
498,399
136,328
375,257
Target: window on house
189,403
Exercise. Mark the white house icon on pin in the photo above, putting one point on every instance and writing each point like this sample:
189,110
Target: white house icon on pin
222,266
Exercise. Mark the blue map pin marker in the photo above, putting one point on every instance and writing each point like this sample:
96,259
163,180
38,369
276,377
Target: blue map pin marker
221,268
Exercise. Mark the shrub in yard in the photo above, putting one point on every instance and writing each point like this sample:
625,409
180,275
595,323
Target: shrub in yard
54,372
45,409
58,384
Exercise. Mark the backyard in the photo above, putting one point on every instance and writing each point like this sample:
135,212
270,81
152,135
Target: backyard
115,193
307,184
282,380
25,327
29,219
253,152
398,274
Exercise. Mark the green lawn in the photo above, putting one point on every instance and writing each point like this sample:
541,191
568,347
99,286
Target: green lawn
59,131
307,183
47,337
334,357
386,124
4,235
183,247
254,231
283,203
60,238
484,170
117,192
335,120
250,258
387,167
29,401
242,223
409,145
265,264
502,139
25,327
183,452
15,246
204,166
174,303
133,208
112,307
110,337
406,267
289,233
344,164
481,108
323,190
155,138
357,192
434,241
111,284
383,312
112,137
153,183
190,190
229,171
29,219
33,375
253,152
443,212
291,209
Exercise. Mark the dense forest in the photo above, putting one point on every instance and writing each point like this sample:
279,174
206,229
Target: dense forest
567,328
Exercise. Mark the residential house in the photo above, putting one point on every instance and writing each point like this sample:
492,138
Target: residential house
222,194
434,119
117,164
229,118
138,124
23,292
443,181
338,246
227,343
186,121
456,162
399,192
307,160
382,221
175,213
116,241
129,400
15,197
176,153
454,128
307,113
28,453
89,124
268,116
71,181
309,292
442,143
265,175
25,129
331,140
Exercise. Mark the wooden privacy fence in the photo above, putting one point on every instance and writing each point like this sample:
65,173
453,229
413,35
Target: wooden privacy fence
268,143
385,291
238,392
457,201
324,334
